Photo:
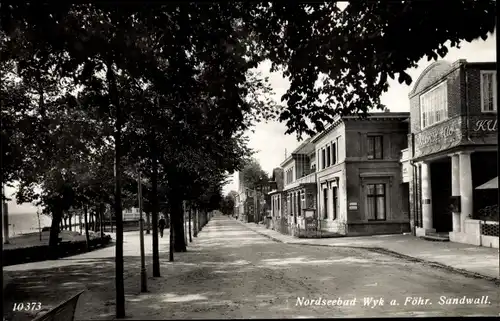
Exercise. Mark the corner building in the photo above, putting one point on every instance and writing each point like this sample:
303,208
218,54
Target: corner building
360,190
452,148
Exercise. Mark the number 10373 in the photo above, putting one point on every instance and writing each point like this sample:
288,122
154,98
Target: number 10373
27,306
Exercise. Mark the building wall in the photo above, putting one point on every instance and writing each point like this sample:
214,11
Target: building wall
455,91
464,98
472,78
338,132
361,171
394,132
334,172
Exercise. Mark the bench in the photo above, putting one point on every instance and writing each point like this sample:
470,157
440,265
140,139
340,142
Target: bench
65,311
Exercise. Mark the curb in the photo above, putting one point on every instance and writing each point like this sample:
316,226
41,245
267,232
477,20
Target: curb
389,253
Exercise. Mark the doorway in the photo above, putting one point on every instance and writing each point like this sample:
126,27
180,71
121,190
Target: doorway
441,192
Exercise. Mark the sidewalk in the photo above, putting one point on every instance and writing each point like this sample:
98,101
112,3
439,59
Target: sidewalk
467,259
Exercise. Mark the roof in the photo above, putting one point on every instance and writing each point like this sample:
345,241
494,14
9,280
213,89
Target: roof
370,117
305,148
433,74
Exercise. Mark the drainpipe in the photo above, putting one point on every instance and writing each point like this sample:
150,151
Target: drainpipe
414,182
467,112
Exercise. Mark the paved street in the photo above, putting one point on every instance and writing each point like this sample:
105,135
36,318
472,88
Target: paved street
231,271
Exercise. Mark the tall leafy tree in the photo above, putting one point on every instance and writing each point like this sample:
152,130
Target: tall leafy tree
353,52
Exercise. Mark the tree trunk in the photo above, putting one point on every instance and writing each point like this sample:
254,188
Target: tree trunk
94,220
80,222
154,203
189,224
178,224
184,224
148,223
85,220
119,282
70,222
101,219
195,223
54,232
171,243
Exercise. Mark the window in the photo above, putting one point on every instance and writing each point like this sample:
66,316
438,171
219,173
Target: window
375,147
289,204
323,158
376,202
325,203
337,149
299,201
328,156
335,202
334,154
289,176
488,91
434,105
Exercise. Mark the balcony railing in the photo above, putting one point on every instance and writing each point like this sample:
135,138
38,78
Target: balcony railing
311,178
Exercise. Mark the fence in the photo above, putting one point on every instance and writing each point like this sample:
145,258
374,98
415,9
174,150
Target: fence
310,228
489,228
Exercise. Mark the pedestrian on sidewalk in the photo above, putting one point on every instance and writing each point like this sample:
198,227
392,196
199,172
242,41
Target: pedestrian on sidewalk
161,224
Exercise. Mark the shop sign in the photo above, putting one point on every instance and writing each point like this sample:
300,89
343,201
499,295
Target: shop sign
485,125
434,136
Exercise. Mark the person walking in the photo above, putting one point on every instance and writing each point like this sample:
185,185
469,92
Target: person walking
161,224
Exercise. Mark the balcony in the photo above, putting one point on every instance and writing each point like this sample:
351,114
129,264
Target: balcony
311,178
405,155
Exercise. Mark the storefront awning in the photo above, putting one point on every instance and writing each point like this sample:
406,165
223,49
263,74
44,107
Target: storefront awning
491,184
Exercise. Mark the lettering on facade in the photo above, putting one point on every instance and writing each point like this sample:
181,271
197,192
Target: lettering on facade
435,136
485,125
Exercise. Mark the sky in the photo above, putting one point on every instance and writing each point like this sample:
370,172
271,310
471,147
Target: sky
269,140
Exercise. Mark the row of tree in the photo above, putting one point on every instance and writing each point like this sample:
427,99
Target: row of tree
94,93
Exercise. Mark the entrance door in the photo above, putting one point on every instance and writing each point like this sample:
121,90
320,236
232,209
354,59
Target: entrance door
441,192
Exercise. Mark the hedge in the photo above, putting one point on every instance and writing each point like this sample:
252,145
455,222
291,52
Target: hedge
44,252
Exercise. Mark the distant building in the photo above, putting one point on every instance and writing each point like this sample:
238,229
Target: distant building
299,188
276,197
131,214
346,179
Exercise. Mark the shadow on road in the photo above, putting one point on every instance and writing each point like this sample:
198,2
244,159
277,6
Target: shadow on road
231,272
